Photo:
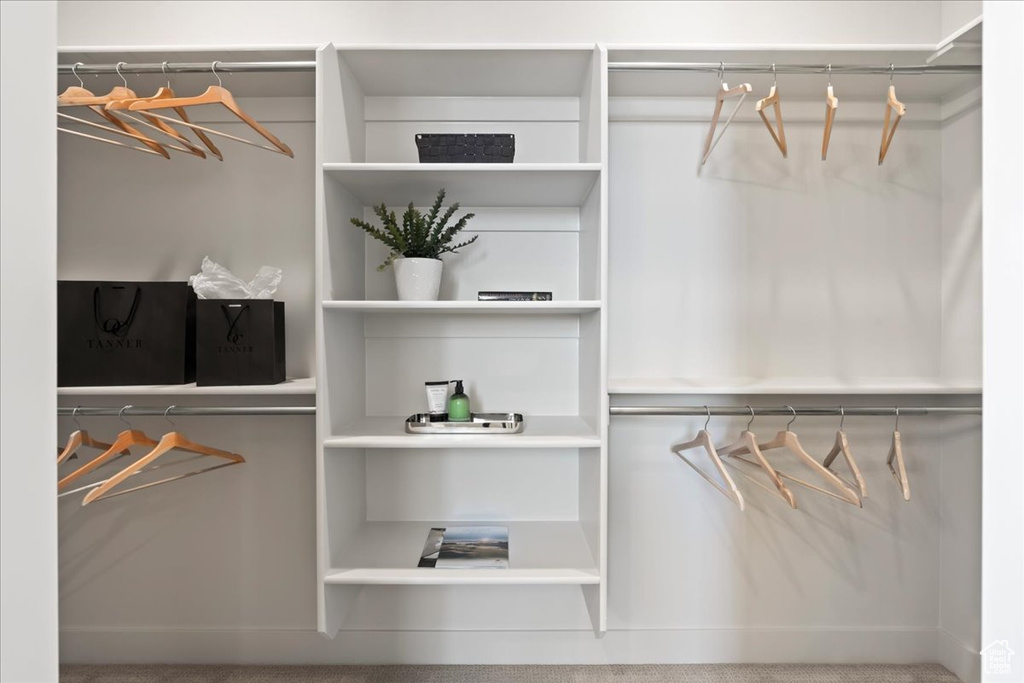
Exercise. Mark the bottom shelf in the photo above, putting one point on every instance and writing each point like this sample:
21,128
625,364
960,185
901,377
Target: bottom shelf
540,553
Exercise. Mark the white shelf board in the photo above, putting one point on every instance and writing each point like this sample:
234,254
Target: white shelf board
468,307
305,386
471,185
542,431
791,386
386,553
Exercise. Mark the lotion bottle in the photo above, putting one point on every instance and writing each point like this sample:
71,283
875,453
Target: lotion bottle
458,404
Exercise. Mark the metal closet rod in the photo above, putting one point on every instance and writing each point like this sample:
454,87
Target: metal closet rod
705,67
182,411
186,67
835,69
788,411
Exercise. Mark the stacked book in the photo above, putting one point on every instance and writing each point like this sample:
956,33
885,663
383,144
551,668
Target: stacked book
466,547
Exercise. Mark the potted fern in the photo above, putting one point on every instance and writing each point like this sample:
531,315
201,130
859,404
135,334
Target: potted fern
417,245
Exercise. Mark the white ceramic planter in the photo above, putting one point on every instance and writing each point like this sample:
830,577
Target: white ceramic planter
418,279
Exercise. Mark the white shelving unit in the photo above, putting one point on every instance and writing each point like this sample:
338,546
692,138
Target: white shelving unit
541,223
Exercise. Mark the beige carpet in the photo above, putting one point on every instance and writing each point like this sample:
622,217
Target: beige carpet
647,673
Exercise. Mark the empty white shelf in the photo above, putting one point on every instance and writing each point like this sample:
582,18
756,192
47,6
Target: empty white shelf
305,386
787,385
538,432
386,553
471,185
468,307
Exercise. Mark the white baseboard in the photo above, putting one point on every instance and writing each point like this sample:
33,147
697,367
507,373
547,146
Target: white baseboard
958,657
833,646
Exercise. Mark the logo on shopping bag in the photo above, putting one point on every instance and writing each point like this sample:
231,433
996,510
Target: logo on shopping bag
116,327
236,332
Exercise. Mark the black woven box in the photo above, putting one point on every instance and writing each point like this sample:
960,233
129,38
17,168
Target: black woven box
466,148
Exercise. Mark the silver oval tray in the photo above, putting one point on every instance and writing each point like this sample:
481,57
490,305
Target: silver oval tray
481,423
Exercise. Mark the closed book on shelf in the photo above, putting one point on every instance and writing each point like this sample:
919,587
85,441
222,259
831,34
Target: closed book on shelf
513,296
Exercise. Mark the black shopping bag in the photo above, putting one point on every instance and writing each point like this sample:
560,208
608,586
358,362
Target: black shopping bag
239,341
125,333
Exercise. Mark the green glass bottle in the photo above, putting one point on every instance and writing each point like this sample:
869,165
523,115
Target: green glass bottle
458,404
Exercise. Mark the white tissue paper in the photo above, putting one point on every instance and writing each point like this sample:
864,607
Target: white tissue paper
215,281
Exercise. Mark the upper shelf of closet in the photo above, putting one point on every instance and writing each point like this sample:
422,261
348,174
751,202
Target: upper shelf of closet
305,386
786,386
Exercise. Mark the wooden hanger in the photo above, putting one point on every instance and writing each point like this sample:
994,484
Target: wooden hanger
831,104
789,440
166,93
215,94
170,441
773,101
896,453
156,124
125,440
842,446
78,96
703,440
747,442
79,438
724,93
893,107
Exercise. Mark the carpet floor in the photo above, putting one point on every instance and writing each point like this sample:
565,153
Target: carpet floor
642,673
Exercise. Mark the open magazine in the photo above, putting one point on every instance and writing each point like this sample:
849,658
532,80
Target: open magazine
466,547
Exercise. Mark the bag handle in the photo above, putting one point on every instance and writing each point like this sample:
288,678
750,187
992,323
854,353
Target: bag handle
118,328
233,336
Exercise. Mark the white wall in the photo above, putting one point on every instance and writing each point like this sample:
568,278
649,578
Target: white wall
954,14
528,21
1003,512
28,362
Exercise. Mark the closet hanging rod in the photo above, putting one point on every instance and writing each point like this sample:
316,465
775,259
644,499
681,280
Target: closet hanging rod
837,69
186,67
182,411
706,67
786,411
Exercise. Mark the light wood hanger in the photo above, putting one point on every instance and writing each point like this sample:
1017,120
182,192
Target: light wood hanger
173,440
125,440
166,93
896,453
215,94
724,93
747,443
156,124
893,108
77,439
115,131
773,100
77,96
703,440
842,446
789,440
831,105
